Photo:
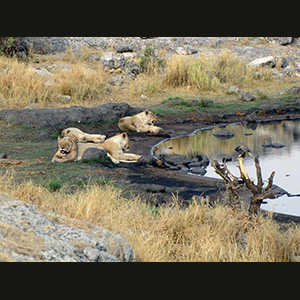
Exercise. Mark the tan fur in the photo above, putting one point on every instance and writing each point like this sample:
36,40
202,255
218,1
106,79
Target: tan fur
142,122
71,150
82,136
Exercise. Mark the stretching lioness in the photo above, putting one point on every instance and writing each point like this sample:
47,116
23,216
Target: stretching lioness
141,122
82,136
71,150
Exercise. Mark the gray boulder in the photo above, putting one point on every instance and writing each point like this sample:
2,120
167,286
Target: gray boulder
44,240
268,61
113,62
94,153
176,159
198,170
123,47
282,40
66,116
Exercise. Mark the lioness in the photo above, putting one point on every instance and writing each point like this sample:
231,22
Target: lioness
71,150
82,136
141,122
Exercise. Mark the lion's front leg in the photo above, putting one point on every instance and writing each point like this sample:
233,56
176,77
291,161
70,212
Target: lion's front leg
58,157
129,157
155,129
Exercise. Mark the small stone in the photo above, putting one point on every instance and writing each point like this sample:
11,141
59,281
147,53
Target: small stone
3,155
234,90
247,96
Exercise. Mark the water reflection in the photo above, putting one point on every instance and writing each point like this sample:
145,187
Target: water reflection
284,161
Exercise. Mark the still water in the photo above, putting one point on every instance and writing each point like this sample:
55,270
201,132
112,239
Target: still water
285,161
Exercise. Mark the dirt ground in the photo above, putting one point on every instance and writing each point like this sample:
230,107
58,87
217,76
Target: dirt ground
30,156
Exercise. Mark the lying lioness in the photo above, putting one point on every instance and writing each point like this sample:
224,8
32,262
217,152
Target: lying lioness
70,149
82,136
141,122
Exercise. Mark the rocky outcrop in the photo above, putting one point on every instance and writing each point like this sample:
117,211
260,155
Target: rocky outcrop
55,117
28,235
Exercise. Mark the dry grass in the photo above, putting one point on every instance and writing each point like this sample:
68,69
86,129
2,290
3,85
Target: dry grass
197,233
209,72
22,86
87,83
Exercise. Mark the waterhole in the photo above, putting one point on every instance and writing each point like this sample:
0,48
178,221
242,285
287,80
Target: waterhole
277,143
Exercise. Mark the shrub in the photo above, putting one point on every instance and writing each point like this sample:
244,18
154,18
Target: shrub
150,61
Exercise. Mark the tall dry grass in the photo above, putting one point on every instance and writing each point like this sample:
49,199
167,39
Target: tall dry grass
22,85
86,82
210,72
197,233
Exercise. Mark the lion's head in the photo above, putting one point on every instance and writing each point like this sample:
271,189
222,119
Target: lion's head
125,143
150,117
66,144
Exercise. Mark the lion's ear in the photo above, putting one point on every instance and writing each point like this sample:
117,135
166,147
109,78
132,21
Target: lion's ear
124,135
59,138
146,112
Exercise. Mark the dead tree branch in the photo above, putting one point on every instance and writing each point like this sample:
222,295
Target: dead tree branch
231,182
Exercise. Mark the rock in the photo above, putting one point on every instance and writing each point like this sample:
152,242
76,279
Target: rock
176,159
252,117
146,160
50,241
276,74
279,40
293,90
268,61
282,62
199,161
198,170
186,50
117,80
224,134
234,90
49,82
122,47
63,97
3,155
133,70
288,71
247,96
65,116
94,153
42,71
113,62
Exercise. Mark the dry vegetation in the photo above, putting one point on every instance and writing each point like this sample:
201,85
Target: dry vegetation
197,233
87,83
